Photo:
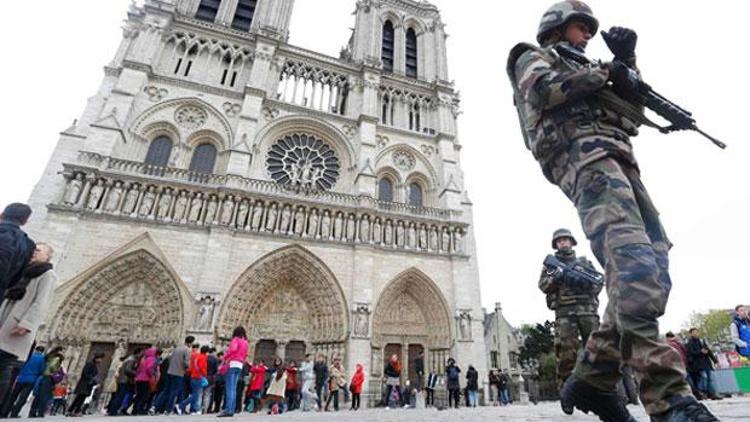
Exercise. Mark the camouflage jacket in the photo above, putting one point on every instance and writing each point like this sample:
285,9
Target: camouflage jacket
564,124
564,299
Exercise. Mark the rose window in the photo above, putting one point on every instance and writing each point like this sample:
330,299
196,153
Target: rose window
303,161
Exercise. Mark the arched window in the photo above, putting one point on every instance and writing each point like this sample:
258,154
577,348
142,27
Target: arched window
207,10
411,53
415,195
204,158
158,152
385,190
386,54
243,17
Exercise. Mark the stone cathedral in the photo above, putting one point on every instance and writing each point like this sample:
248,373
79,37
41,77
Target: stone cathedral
221,176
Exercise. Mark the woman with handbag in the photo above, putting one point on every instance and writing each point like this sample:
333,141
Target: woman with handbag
356,386
276,389
144,376
336,381
198,381
234,360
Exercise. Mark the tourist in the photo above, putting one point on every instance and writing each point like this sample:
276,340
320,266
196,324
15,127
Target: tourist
452,373
16,249
292,386
276,388
212,366
392,374
700,364
198,381
336,379
257,382
472,385
307,376
355,386
145,375
321,377
24,308
234,359
86,382
218,390
740,331
125,379
432,380
503,387
59,398
53,374
27,377
419,370
179,363
493,380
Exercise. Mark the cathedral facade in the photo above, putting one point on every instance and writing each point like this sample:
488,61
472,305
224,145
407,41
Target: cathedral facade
221,176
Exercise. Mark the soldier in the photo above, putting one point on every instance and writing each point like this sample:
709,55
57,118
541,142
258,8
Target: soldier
583,146
575,304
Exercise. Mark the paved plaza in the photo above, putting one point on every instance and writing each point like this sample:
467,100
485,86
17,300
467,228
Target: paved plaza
728,410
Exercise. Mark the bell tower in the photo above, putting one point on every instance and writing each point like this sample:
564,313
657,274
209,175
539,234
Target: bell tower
265,17
407,37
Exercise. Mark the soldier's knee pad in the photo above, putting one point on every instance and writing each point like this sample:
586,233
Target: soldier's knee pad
640,288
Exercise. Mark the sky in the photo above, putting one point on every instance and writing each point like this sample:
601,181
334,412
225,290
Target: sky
691,52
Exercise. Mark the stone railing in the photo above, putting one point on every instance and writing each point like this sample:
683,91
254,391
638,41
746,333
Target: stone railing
102,185
259,187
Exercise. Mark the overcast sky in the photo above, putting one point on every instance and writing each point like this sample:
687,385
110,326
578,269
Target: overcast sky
692,52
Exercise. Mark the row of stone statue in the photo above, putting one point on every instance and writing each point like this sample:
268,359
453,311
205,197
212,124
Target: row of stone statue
169,204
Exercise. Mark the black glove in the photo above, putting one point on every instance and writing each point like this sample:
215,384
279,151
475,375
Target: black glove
621,42
624,80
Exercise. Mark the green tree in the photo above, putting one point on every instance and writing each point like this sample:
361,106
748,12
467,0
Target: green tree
713,325
539,341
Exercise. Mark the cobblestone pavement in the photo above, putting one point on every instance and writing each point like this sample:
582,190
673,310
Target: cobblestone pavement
728,410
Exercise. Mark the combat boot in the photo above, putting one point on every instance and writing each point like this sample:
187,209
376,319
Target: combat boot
583,396
688,410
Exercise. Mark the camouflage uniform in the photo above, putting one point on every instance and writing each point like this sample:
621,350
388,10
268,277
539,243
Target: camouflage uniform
584,148
575,313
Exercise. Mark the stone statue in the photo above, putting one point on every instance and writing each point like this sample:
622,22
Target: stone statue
351,228
180,206
195,208
464,325
400,235
434,239
211,210
286,219
242,213
74,189
364,229
271,219
445,245
458,241
95,195
411,237
299,221
227,208
131,199
422,237
377,231
388,234
147,204
205,316
257,217
165,202
312,224
338,226
113,197
325,226
361,323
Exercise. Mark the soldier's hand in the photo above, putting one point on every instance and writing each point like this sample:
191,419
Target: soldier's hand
624,81
621,42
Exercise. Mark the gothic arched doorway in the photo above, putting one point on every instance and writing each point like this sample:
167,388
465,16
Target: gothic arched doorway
291,301
411,316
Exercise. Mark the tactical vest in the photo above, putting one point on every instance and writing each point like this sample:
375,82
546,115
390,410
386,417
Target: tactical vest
566,300
547,133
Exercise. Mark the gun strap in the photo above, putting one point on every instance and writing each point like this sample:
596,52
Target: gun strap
625,108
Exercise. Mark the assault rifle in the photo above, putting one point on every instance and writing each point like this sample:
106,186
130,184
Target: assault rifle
575,274
641,93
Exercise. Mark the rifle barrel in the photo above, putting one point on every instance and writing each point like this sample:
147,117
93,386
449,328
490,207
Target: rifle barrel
716,142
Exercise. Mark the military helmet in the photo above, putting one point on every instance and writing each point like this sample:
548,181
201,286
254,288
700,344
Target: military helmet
559,234
562,13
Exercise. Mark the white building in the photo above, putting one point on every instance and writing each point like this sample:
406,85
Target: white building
502,341
222,177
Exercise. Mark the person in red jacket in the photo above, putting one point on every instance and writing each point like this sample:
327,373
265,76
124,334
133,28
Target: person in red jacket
355,386
198,380
292,385
258,373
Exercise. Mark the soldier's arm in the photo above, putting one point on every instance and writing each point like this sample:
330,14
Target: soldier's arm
545,88
547,282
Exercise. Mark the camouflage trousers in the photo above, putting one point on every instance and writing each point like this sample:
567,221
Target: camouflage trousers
568,329
629,242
